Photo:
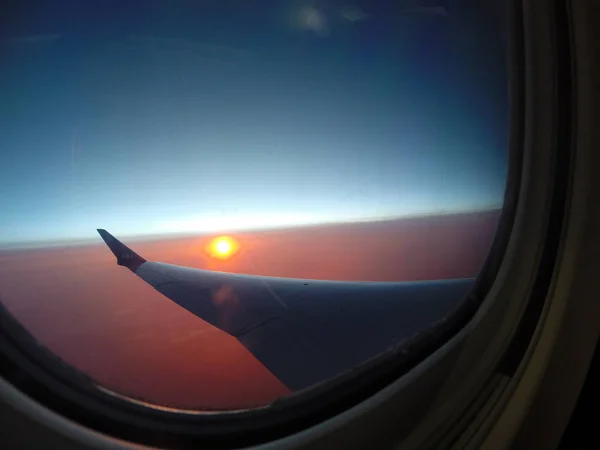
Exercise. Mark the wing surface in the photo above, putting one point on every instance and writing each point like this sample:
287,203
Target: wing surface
303,331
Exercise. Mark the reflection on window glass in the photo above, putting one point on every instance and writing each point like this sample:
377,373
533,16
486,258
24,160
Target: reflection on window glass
355,151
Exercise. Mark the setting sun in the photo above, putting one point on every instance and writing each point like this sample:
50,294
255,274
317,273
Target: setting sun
222,247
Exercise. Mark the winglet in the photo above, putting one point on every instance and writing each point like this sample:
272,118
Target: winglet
125,256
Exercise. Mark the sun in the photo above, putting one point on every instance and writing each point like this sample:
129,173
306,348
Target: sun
222,247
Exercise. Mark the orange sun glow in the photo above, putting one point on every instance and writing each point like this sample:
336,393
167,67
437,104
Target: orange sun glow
222,247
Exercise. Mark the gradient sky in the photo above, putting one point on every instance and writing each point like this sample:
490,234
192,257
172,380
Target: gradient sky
237,115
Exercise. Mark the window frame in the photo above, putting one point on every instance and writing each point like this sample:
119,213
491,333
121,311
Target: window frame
453,374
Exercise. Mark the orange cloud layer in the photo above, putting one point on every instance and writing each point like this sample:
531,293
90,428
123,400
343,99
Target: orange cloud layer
108,323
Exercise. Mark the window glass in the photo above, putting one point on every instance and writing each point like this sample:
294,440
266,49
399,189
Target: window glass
315,140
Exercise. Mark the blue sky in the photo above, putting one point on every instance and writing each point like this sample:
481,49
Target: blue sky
144,122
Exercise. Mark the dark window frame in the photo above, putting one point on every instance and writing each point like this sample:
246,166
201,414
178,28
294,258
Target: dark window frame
43,377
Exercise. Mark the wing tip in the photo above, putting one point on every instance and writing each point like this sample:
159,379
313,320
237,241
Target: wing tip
125,256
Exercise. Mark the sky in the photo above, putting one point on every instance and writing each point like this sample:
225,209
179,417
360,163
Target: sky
182,117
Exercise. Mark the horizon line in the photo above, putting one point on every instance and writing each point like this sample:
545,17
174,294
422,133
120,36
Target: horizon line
73,242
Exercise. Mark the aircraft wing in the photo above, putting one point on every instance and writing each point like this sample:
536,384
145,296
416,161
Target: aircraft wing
303,331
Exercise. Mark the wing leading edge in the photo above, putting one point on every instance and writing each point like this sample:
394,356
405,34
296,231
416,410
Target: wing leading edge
303,331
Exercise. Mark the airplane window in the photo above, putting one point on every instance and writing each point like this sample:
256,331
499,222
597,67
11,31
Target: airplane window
213,205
